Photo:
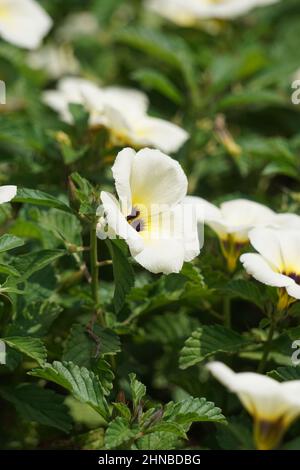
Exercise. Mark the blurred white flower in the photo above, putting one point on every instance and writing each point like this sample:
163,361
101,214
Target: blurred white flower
82,23
160,230
123,111
190,12
277,262
232,223
7,193
24,23
55,60
273,405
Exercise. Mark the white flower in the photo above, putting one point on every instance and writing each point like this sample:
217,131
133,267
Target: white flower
189,12
75,25
24,23
160,230
273,405
232,222
54,60
123,111
7,193
277,262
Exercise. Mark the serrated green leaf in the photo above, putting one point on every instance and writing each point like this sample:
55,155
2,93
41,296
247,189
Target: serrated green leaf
82,383
123,273
83,347
31,347
169,427
9,242
209,340
118,433
247,290
138,390
39,198
123,410
37,404
33,262
190,410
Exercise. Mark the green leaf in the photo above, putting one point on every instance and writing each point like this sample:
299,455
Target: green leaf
118,433
151,79
157,441
123,410
123,273
81,347
82,383
209,340
138,390
31,347
169,427
33,262
9,270
40,405
39,198
35,319
170,49
191,410
9,242
247,290
283,374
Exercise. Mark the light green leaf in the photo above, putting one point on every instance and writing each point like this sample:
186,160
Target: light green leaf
209,340
9,242
191,410
151,79
118,433
82,383
31,347
138,390
39,198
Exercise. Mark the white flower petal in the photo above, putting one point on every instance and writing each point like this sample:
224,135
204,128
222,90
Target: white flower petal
262,396
156,179
121,170
7,193
187,12
206,210
162,256
294,290
118,223
286,221
247,213
24,23
159,133
260,269
267,242
131,103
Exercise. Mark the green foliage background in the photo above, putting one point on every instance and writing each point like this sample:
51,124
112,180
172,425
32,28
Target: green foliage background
68,382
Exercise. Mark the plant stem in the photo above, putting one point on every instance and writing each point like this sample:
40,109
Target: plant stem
95,270
267,348
227,312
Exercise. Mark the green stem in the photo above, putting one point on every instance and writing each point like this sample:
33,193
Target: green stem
227,312
95,270
267,348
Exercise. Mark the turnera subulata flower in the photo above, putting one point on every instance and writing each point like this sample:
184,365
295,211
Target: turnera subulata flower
273,405
123,111
277,262
191,12
7,193
23,23
232,222
150,213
